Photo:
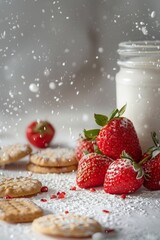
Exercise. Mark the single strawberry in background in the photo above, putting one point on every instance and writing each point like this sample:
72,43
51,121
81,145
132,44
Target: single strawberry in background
92,169
116,135
123,176
85,145
40,133
151,165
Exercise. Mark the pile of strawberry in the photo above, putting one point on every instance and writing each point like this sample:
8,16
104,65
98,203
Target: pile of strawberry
112,157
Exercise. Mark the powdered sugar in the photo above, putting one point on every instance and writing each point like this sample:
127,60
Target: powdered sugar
56,155
136,217
124,122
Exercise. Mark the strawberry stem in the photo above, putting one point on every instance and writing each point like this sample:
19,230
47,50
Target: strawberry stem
145,159
151,150
155,139
102,121
136,166
41,127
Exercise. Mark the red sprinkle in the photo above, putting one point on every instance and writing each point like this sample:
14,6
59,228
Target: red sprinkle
66,212
53,196
61,194
92,190
73,188
44,189
7,197
109,230
123,196
43,200
105,211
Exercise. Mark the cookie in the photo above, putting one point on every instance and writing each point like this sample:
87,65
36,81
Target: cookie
13,153
19,210
38,169
54,157
19,187
69,225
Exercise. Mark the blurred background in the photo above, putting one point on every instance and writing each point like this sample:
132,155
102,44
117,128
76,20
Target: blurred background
58,60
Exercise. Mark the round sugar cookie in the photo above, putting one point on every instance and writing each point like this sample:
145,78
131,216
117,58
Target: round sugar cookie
69,225
19,187
38,169
54,157
19,210
13,153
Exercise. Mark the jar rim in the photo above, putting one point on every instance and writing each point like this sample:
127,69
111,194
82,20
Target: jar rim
139,47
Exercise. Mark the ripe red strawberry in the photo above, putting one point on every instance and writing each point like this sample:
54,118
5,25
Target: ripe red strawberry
116,135
92,169
84,145
151,165
152,171
123,176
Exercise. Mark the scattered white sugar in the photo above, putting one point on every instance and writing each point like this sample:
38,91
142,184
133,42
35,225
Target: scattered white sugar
66,50
124,122
60,83
85,117
56,154
144,30
52,85
46,72
3,35
100,50
136,217
33,87
73,76
145,126
153,14
99,236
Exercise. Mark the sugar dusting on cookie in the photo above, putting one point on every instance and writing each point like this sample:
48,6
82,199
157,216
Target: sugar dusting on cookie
56,153
19,186
70,225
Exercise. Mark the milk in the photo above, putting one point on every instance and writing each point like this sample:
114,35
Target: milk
138,86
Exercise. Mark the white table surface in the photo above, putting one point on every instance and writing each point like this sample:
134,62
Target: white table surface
136,217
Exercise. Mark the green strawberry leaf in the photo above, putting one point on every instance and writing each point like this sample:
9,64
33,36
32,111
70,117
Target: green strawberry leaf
140,173
125,155
122,110
113,114
136,167
85,152
100,119
96,149
91,134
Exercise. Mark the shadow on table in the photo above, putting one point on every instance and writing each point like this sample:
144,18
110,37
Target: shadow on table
16,166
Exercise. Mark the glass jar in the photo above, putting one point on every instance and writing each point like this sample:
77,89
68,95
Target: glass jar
138,86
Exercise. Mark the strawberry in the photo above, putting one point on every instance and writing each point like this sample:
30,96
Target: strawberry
84,146
91,170
123,176
116,135
151,165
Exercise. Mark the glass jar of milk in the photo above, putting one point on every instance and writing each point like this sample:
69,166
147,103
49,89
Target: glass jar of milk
138,86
